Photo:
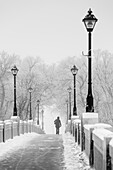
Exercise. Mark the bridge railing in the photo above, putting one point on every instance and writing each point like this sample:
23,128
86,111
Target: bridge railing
15,127
95,140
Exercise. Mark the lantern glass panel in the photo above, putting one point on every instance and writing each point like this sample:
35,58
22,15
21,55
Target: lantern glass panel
90,25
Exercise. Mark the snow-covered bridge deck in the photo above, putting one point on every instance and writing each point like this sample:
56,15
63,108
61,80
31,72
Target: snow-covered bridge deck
42,152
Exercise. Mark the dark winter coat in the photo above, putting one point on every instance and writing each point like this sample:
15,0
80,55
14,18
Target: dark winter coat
57,123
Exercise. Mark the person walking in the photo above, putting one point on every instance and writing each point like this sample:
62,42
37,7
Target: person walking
57,123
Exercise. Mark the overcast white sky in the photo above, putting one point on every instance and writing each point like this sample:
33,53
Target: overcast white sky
53,29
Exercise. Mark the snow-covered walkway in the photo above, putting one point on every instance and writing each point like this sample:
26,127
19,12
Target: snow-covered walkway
73,159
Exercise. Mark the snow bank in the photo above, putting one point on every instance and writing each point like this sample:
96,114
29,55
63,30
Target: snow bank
74,159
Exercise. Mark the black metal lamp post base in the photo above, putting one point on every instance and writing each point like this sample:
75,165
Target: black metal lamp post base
37,122
74,112
89,106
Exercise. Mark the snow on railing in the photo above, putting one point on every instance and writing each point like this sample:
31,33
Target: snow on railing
95,140
16,127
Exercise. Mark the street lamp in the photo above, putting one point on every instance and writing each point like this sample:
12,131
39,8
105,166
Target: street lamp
42,119
74,71
89,22
30,90
14,71
38,102
69,90
67,111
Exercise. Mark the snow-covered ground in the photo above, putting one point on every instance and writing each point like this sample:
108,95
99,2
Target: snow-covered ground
73,158
15,144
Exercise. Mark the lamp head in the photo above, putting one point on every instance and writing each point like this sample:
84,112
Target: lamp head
14,70
67,101
74,70
38,101
69,89
90,21
30,89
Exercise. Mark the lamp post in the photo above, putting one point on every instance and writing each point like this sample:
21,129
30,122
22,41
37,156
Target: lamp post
74,71
38,102
14,71
30,90
67,111
42,119
69,90
89,22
